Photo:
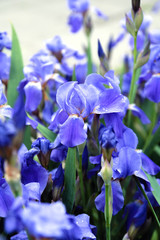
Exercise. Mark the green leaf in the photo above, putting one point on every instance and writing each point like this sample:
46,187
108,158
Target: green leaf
89,56
27,137
70,179
155,186
74,74
44,130
146,197
16,70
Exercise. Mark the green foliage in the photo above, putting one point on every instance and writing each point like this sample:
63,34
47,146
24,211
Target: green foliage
45,131
70,179
16,70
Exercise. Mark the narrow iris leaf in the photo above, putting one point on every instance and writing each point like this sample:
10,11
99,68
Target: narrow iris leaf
27,137
16,70
74,74
70,179
155,186
89,56
44,130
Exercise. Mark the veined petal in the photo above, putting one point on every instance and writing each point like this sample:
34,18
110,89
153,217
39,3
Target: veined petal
63,94
110,101
148,165
139,113
117,194
129,162
72,132
33,92
152,88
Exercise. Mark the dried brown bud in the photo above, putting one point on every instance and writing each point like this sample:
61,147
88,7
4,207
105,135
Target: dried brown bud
135,5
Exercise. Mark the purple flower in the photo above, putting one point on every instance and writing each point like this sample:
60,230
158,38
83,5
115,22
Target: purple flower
75,21
79,5
7,132
107,138
4,66
78,101
82,221
152,89
139,113
55,45
5,41
6,198
31,171
118,199
48,220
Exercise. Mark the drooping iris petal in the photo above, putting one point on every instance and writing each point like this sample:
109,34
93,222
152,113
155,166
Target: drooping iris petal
139,113
125,140
13,221
129,162
82,220
34,173
117,194
48,220
58,117
72,132
110,101
33,92
75,21
152,88
33,191
148,165
6,198
136,213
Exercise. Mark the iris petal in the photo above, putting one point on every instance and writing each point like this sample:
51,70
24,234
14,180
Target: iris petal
72,132
33,93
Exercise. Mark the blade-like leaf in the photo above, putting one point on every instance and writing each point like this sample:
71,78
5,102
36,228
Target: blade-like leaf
44,130
70,179
146,197
27,137
155,186
16,70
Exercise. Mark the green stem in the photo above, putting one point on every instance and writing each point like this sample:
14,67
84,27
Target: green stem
107,211
146,197
152,125
132,91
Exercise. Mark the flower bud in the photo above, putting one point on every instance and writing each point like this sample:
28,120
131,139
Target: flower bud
138,19
106,172
143,56
135,5
130,26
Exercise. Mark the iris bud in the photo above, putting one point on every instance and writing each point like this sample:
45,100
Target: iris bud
138,18
135,5
106,172
143,56
130,26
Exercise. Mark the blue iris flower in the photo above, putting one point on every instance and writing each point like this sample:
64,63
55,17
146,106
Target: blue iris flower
78,101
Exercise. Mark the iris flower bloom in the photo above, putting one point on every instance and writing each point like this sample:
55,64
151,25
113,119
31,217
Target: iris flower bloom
78,101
